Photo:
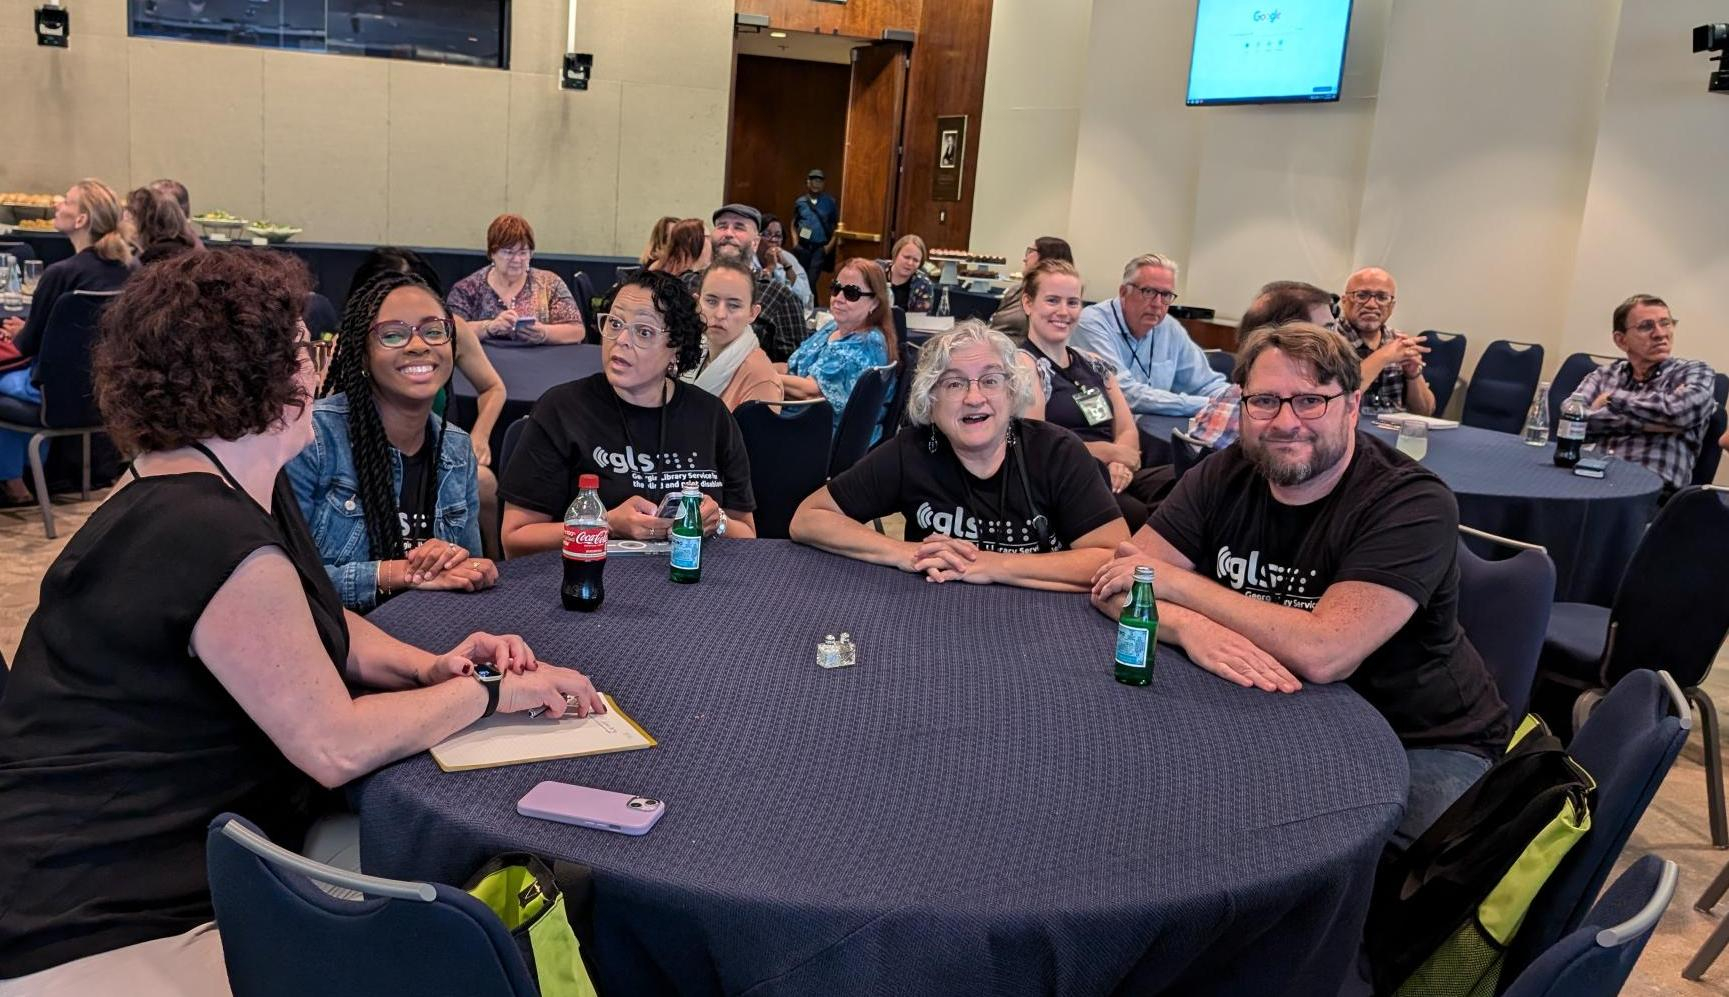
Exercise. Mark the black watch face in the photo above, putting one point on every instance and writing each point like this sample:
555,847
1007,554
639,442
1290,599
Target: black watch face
487,673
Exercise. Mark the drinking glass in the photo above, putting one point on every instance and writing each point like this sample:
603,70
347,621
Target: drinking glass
1413,439
32,275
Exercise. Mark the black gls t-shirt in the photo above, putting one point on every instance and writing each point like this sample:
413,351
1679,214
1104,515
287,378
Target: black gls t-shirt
419,481
1388,522
583,427
938,495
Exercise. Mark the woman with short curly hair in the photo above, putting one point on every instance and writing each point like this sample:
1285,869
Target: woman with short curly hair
189,656
635,425
988,496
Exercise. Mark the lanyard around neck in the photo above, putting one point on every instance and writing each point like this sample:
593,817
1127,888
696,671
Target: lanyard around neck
1146,368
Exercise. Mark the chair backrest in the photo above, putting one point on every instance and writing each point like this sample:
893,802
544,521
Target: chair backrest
970,304
19,251
512,435
1669,610
896,410
1502,386
1504,611
1442,365
1710,454
789,454
63,361
900,316
1222,361
582,288
1627,745
1186,452
1596,959
282,935
1573,370
860,419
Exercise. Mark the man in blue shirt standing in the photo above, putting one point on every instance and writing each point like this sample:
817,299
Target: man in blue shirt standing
1160,369
816,219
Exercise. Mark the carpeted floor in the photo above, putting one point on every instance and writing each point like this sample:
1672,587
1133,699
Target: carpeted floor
1675,826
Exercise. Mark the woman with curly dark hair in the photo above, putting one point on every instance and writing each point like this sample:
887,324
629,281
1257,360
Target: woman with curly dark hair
189,655
391,491
634,425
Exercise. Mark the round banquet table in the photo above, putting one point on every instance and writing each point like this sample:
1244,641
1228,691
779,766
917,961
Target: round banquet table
976,807
528,371
1589,525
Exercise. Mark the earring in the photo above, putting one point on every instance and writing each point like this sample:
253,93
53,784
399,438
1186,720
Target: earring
931,445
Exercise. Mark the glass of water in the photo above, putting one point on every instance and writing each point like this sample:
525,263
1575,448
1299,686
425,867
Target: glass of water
1413,439
32,276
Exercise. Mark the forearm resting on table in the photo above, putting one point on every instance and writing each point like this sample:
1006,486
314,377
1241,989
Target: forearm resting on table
1109,452
827,528
564,333
1056,571
1325,644
527,532
377,660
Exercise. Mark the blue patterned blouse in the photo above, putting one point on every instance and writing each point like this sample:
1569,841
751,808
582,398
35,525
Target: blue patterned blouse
836,366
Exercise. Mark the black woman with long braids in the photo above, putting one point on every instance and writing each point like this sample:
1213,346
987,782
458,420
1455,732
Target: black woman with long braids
389,488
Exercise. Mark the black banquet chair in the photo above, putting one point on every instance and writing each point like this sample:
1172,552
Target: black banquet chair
68,401
1443,364
1573,370
1186,452
1595,959
1503,386
1669,612
964,305
789,452
1222,361
860,418
282,932
1504,610
1710,454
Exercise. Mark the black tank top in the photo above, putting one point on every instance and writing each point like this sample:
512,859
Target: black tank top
1060,407
117,745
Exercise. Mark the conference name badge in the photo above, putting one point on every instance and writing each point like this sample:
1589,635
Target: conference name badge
1095,408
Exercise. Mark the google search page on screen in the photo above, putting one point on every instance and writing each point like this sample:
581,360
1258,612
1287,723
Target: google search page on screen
1246,50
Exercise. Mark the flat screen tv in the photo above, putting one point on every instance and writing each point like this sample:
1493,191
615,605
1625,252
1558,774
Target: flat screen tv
1268,51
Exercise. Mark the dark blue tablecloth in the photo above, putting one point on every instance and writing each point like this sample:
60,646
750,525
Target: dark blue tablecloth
528,372
1590,525
975,808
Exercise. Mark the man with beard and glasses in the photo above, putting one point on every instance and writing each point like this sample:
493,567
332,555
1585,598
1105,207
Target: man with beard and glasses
780,327
1311,552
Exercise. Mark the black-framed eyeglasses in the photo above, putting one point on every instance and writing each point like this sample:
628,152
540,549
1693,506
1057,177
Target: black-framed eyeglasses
435,331
1154,293
851,292
1265,407
1363,296
642,334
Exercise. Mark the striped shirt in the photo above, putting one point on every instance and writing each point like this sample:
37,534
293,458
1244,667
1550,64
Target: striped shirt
1658,422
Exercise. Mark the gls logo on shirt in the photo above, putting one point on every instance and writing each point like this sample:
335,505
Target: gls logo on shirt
953,524
620,463
1267,582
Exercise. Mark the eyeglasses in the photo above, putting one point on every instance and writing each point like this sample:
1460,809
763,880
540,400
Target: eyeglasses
1364,296
1154,293
395,335
1651,325
1265,408
517,252
773,235
642,335
851,292
952,386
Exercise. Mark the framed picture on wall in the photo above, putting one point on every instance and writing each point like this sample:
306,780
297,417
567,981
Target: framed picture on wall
951,157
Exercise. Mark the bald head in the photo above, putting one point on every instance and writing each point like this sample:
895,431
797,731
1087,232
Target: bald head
1370,295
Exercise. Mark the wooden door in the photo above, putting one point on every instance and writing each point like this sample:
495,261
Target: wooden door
876,109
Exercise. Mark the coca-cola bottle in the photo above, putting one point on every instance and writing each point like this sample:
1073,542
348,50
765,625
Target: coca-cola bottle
585,535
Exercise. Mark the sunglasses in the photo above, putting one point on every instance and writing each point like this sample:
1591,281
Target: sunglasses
395,335
851,292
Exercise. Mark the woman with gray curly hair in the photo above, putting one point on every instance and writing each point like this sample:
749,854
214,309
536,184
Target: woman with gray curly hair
988,496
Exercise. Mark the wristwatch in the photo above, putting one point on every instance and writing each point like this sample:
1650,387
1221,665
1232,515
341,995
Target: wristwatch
490,679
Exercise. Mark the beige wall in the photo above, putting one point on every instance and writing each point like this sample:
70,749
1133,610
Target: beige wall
1033,85
372,150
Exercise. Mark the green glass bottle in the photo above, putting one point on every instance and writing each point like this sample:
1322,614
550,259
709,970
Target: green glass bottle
687,539
1138,632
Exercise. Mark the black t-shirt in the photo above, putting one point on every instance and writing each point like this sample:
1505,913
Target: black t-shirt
938,495
1389,522
901,292
117,746
419,482
1083,372
583,427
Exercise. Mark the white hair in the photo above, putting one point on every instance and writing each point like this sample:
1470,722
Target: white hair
934,360
1159,260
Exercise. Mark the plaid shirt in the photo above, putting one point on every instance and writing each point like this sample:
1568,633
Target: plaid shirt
1216,423
1677,395
1387,392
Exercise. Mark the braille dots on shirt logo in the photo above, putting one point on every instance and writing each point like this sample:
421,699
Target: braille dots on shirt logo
1266,581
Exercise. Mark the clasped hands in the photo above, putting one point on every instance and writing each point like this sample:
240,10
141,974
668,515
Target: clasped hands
948,559
439,565
528,682
1209,644
635,519
1406,351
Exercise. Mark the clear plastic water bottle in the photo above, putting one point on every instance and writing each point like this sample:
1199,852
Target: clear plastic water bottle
942,307
1537,420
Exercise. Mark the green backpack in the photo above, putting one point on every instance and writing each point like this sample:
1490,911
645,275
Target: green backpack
1445,911
521,890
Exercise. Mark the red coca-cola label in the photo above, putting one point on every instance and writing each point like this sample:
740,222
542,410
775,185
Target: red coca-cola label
584,543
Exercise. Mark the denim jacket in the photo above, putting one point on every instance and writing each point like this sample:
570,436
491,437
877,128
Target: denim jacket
326,484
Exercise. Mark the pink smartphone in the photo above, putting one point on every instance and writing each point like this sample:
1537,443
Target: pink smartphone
596,808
